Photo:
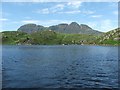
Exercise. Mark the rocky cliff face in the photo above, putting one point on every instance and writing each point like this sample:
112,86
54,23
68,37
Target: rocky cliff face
62,28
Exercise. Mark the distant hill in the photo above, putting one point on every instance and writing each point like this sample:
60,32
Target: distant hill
72,28
29,28
112,37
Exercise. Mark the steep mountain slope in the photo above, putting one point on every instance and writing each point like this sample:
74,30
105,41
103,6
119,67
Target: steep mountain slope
72,28
112,37
88,30
81,29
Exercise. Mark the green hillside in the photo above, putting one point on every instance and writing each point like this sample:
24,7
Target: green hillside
110,38
14,37
49,37
44,37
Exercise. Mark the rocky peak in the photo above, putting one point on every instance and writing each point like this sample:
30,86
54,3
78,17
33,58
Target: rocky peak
29,28
84,26
74,24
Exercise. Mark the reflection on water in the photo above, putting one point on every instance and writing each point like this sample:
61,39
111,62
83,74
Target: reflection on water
57,66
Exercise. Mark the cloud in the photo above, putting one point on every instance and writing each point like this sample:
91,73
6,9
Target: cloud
53,9
75,4
3,19
57,8
67,8
71,12
60,6
88,12
30,21
44,11
96,16
115,12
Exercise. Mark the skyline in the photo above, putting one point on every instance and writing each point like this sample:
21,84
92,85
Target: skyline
101,16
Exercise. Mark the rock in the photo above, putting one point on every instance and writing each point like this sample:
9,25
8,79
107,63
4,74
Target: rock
116,39
62,28
30,28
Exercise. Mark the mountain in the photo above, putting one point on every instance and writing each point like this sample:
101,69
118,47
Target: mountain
29,28
72,28
59,28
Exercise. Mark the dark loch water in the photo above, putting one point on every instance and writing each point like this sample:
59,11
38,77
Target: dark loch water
71,66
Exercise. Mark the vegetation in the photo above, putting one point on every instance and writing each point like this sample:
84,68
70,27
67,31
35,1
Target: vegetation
77,38
110,38
45,37
14,37
49,37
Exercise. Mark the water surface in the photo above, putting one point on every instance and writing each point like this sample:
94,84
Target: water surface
71,66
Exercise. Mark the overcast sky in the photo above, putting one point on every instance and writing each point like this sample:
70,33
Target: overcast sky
102,16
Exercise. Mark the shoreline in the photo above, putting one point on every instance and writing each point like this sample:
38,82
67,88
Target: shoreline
57,44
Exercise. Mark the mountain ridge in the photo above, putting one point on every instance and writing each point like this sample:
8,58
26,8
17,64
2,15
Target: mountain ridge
72,28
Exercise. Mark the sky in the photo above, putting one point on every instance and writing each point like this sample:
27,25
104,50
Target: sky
101,16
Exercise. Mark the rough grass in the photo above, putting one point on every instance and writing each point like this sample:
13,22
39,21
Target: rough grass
48,37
